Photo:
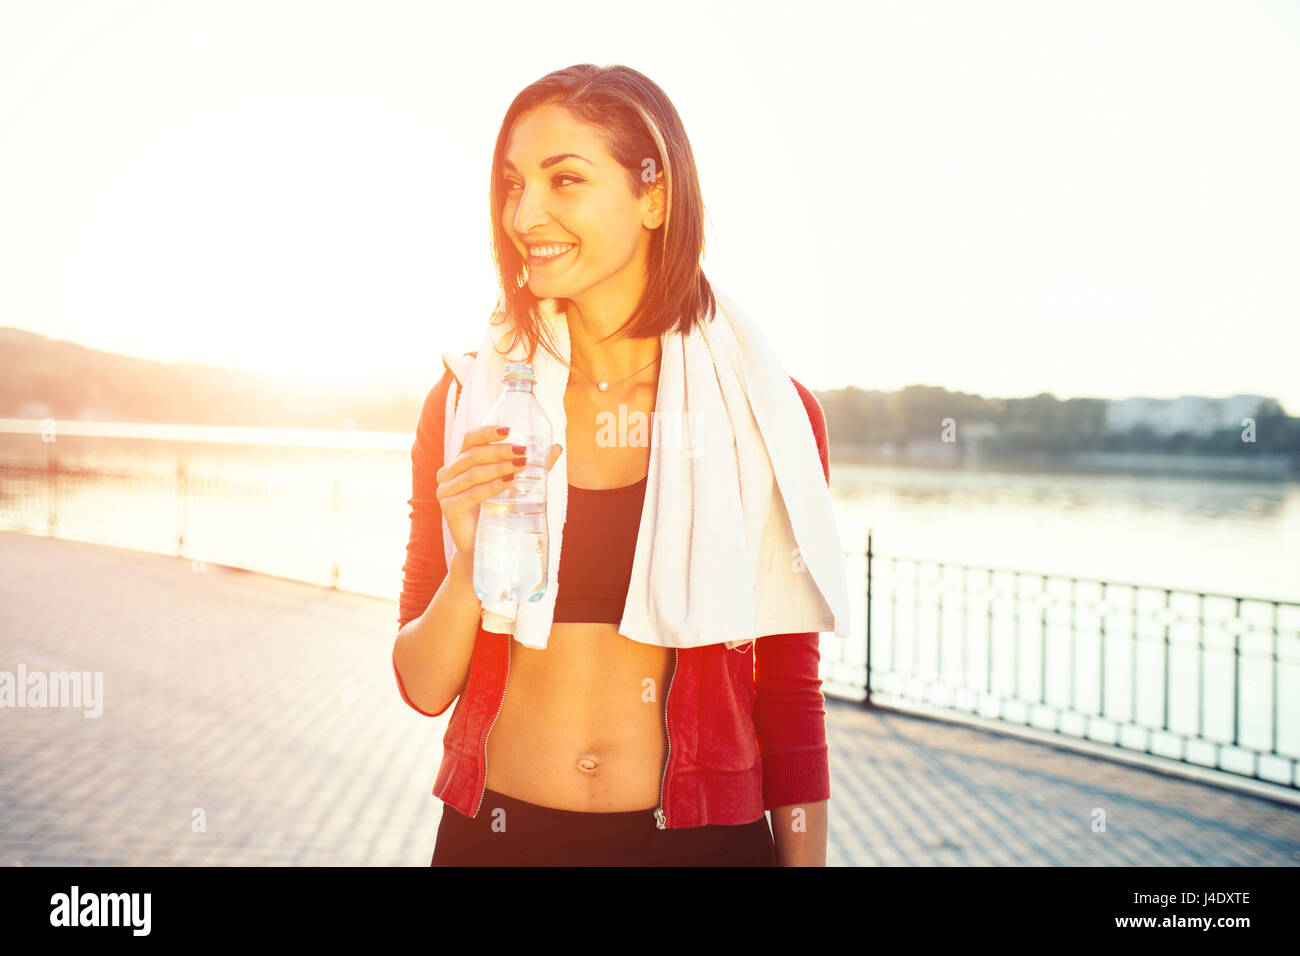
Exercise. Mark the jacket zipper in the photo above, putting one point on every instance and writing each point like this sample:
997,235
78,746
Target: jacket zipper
661,820
500,704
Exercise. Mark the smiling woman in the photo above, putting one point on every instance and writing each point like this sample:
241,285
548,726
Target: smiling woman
595,165
598,749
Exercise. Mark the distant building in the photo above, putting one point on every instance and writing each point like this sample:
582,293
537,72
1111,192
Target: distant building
1187,413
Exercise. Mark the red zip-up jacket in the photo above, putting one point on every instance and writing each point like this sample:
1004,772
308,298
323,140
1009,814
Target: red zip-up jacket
746,729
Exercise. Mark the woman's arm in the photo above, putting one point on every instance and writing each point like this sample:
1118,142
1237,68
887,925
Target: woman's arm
790,720
799,831
425,564
439,613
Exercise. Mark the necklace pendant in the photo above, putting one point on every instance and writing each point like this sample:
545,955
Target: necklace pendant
603,386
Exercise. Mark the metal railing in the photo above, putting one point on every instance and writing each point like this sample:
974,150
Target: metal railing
1190,676
288,531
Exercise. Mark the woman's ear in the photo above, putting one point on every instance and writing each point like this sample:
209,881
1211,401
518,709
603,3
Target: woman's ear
656,203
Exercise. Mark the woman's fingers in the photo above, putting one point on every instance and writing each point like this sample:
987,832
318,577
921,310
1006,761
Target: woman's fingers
479,493
481,446
484,465
472,476
483,435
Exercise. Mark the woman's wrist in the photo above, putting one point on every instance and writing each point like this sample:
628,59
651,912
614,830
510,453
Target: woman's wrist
462,567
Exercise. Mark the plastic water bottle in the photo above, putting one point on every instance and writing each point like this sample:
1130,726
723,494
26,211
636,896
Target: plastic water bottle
511,546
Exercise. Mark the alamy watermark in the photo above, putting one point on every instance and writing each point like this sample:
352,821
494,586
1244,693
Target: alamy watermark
83,689
626,428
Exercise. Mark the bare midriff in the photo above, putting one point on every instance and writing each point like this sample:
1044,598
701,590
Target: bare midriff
581,725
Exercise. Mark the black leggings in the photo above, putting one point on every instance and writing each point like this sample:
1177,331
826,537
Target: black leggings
512,832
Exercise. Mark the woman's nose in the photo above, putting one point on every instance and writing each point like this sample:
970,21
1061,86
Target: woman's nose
529,213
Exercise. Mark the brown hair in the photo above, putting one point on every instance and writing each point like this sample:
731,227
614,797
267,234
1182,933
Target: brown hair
636,121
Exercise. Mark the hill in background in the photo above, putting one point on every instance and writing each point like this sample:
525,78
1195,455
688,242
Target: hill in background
51,378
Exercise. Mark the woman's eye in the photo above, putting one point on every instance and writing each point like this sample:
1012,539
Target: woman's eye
512,184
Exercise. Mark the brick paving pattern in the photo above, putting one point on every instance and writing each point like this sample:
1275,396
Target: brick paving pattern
250,720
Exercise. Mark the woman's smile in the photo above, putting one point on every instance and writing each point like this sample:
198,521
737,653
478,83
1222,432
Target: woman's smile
545,255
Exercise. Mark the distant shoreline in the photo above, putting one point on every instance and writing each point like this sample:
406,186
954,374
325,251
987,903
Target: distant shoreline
1263,468
930,455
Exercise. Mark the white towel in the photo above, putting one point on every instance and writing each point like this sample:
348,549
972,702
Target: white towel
738,538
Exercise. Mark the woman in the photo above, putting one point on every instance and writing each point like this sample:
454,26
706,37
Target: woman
591,758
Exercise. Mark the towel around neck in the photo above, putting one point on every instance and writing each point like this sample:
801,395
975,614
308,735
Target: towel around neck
738,538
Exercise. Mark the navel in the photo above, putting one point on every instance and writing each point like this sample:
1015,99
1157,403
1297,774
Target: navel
587,763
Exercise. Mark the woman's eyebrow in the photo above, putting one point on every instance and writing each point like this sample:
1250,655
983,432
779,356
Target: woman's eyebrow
550,161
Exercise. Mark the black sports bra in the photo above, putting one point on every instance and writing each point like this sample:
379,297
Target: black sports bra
600,534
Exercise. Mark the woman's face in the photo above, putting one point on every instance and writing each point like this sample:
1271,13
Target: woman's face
581,204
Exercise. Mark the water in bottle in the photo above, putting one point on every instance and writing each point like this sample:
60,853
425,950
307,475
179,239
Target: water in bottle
511,546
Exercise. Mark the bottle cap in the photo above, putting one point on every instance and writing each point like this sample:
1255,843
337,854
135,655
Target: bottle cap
519,372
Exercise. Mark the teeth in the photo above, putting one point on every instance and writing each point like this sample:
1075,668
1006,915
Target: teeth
546,252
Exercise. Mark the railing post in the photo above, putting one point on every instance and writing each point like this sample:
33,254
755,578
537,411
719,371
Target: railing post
52,486
180,509
938,633
1133,664
988,643
1015,640
866,700
1074,671
1273,667
338,507
916,618
965,627
1042,646
1164,650
1236,676
1200,665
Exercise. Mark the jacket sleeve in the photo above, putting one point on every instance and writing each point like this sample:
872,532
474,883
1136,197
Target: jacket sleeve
426,565
789,709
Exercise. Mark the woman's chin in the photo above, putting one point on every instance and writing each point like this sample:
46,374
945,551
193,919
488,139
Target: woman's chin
544,289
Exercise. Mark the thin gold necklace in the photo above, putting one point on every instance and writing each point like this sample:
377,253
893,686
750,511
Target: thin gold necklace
604,386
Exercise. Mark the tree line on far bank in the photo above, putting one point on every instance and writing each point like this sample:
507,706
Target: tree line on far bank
1041,424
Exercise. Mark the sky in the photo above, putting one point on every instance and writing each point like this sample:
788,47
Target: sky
1086,198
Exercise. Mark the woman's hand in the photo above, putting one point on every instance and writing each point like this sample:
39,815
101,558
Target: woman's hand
485,467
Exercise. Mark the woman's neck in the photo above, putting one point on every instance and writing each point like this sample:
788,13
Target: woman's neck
613,359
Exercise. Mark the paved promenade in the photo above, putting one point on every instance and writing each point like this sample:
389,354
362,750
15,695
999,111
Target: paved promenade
251,720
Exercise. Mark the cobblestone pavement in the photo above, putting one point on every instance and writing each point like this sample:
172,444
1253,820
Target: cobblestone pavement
254,720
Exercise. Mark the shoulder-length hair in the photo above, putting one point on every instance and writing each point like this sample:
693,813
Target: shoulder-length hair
638,125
